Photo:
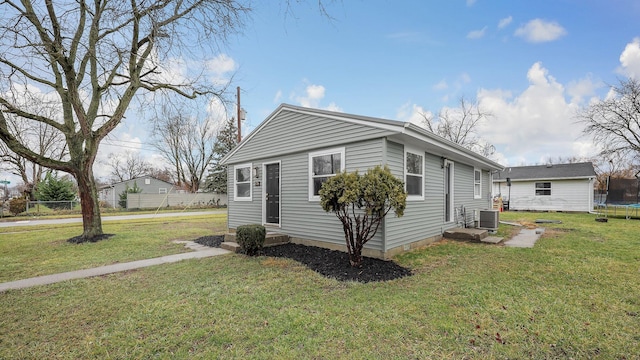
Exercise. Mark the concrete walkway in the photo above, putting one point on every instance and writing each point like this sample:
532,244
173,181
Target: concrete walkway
526,238
200,252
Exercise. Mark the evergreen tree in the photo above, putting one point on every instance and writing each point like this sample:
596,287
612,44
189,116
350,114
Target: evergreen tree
54,189
226,140
122,202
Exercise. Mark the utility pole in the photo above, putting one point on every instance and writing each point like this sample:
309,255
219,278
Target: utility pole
239,120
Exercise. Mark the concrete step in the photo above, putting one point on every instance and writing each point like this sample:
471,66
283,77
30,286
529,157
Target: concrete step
231,246
492,240
466,234
271,239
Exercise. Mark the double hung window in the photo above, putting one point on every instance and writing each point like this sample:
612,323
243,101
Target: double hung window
414,175
323,165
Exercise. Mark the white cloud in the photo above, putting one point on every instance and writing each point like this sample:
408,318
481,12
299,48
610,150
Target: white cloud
477,34
221,64
276,99
538,30
412,113
630,59
537,124
505,22
471,2
312,98
582,88
442,85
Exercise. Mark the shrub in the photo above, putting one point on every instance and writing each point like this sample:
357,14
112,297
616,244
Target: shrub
361,202
251,238
17,206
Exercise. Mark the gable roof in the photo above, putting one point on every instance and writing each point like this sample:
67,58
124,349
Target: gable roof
404,132
546,172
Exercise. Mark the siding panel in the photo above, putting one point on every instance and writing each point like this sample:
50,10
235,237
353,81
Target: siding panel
566,195
290,132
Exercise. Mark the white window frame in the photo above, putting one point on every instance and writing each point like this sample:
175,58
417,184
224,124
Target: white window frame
536,188
477,185
235,182
147,181
421,154
312,196
162,190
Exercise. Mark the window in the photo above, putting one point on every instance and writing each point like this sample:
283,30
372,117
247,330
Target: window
477,184
543,188
162,190
414,175
323,165
147,181
242,182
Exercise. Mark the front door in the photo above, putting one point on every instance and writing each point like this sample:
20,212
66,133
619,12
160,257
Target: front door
272,198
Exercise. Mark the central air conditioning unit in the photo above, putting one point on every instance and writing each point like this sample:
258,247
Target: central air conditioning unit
489,219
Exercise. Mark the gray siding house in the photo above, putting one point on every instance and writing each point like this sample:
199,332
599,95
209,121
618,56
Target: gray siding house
557,187
275,174
110,194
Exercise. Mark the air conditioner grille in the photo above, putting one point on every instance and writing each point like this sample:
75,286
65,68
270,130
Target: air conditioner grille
489,219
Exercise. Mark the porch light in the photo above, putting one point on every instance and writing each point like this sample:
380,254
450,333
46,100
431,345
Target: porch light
255,172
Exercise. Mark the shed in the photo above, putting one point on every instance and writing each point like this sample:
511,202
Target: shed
553,187
110,194
275,174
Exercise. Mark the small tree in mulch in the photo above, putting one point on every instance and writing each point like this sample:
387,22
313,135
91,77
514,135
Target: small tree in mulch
361,202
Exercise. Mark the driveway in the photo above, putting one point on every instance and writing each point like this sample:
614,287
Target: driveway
34,222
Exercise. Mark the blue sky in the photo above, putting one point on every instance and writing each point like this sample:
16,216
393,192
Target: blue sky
532,64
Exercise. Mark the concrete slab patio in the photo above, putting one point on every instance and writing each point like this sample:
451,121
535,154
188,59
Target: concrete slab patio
200,252
526,238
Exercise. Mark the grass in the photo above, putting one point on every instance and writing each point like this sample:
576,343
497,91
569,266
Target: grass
43,250
574,295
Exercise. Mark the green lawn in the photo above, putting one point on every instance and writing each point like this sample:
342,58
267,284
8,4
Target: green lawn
33,251
576,294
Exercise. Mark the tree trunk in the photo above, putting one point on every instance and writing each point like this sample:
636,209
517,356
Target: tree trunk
91,222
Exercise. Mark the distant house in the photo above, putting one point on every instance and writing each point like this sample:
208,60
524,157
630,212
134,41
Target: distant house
275,174
110,194
557,187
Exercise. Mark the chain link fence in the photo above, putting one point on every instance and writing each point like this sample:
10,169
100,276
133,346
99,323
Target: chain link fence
51,207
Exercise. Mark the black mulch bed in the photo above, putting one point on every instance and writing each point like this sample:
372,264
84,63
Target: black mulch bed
329,263
80,239
211,241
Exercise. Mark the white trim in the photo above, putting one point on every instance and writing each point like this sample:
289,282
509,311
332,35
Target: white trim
414,151
452,199
331,151
264,198
479,194
235,182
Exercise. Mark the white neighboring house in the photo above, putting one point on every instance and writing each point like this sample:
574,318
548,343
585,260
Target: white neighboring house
557,187
149,185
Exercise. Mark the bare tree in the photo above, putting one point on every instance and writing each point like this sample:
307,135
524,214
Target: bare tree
127,165
92,59
187,142
460,125
40,137
614,123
